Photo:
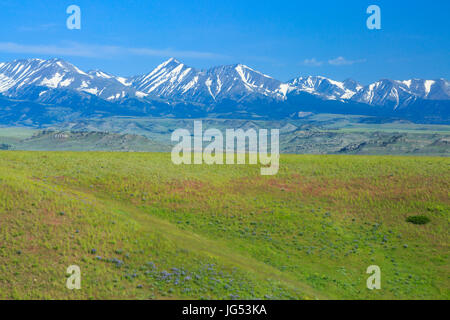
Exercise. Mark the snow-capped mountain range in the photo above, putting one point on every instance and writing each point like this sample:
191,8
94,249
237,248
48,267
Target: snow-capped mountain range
393,93
19,75
172,79
56,82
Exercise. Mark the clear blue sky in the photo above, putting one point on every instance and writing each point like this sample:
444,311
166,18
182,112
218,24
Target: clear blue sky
284,39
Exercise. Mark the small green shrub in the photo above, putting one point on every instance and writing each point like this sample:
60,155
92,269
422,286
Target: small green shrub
421,219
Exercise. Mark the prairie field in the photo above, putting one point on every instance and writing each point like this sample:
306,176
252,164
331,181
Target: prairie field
140,227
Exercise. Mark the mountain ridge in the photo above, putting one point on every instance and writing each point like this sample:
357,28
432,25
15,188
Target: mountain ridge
173,88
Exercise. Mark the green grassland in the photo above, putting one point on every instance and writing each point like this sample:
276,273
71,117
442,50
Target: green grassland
140,227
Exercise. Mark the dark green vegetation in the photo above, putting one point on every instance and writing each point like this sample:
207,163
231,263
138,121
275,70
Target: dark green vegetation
311,134
418,219
140,227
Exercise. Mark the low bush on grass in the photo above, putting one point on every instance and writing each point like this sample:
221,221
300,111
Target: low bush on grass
421,219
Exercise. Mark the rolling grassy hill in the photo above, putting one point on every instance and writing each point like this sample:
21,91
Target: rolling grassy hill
140,227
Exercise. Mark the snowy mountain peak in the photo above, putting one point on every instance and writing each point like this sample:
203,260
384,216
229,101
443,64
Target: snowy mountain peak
243,67
20,76
171,62
173,79
401,93
100,74
327,88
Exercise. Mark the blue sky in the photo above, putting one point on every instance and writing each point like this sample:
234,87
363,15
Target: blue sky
284,39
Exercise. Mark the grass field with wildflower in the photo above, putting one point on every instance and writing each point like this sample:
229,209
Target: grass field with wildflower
140,227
